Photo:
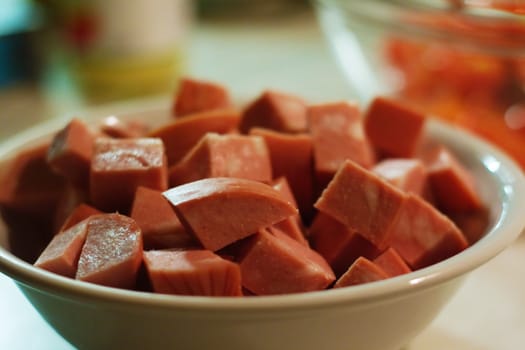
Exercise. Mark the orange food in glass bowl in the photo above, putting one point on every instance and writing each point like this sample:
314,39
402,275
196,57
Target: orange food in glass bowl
465,65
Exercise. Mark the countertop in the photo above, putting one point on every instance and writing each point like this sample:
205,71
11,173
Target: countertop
488,312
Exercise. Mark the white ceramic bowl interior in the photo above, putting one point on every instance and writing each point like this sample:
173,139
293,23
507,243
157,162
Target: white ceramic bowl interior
380,315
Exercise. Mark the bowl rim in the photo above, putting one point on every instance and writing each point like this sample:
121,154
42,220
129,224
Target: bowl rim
508,226
468,27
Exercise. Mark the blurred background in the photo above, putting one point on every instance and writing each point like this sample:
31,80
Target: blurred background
62,56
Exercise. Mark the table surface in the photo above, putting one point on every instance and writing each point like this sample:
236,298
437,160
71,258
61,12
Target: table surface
289,54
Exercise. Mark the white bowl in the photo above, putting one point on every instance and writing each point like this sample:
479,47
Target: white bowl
379,315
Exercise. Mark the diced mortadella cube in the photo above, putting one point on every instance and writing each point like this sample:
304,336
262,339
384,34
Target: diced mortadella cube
361,271
292,226
112,253
363,202
180,135
195,96
393,128
70,152
277,111
70,198
80,213
29,185
232,155
62,253
407,174
338,134
119,166
192,272
473,224
277,264
219,211
113,126
292,158
161,228
392,263
453,187
338,244
423,236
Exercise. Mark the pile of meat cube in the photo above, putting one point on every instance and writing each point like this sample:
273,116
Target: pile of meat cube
276,196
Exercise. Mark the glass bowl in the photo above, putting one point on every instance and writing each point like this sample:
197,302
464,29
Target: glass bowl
463,64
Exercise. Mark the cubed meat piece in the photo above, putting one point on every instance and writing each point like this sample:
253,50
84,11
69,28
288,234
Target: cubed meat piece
112,253
192,272
338,134
219,211
473,224
292,158
363,202
195,96
70,198
62,253
453,187
423,236
80,213
113,126
28,185
394,129
230,155
119,166
276,111
292,226
180,135
338,244
70,152
277,264
281,185
407,174
392,263
361,271
156,218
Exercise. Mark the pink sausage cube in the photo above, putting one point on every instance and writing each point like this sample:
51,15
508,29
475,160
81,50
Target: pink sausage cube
338,134
453,187
29,185
423,236
219,211
192,272
112,253
338,244
363,202
392,263
198,96
409,175
62,253
161,228
292,158
276,111
230,155
180,135
277,264
393,128
292,226
119,166
361,271
71,151
80,213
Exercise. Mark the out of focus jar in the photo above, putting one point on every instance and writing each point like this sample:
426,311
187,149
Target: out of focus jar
119,49
464,65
